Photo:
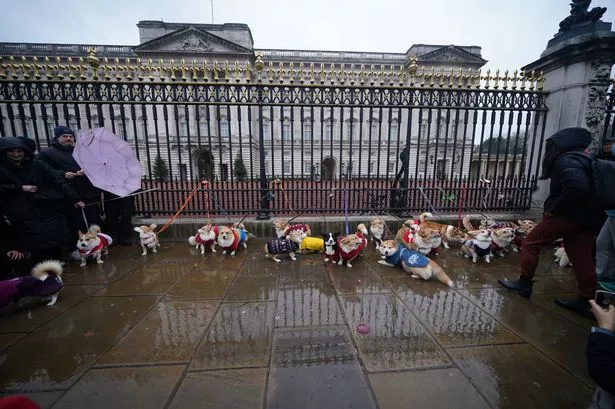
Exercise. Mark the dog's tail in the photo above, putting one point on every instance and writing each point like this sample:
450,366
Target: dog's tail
192,240
439,274
425,216
94,228
46,268
467,224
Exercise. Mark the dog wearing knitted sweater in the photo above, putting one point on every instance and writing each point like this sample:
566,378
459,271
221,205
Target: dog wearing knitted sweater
205,237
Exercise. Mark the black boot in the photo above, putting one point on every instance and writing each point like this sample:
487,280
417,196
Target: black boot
581,306
523,286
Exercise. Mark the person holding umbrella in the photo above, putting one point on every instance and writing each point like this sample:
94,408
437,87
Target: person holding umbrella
60,157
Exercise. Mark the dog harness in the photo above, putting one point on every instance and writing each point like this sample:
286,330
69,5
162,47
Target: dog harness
202,242
104,242
407,256
481,252
281,246
239,236
310,244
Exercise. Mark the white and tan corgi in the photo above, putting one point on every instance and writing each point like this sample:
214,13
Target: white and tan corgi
282,228
205,237
412,262
448,233
348,249
479,245
501,239
377,229
288,245
418,239
148,238
93,244
231,238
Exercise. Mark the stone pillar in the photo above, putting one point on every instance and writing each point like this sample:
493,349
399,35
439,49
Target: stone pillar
577,66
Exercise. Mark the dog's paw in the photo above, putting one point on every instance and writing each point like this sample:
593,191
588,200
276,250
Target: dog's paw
99,261
339,263
326,259
293,258
233,253
53,299
275,259
144,253
488,259
223,251
384,263
214,251
446,246
82,265
474,259
348,265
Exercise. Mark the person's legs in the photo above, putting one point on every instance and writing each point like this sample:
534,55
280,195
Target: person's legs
549,229
605,257
578,247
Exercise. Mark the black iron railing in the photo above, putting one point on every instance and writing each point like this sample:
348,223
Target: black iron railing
291,142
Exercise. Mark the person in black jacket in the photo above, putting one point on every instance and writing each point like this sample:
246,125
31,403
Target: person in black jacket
118,222
60,157
33,196
601,355
567,215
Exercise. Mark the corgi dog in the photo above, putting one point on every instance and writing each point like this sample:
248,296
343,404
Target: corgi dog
44,281
93,244
148,238
478,246
330,245
521,232
417,239
501,239
447,232
282,228
412,262
377,230
561,257
231,238
288,245
348,249
205,237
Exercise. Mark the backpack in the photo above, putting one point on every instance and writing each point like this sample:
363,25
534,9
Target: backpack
602,182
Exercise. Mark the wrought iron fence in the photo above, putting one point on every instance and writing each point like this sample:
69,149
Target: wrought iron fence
296,139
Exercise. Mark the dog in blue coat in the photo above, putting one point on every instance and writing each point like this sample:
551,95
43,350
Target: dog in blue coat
412,262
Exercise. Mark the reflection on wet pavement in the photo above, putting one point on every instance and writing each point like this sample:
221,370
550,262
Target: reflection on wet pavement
183,330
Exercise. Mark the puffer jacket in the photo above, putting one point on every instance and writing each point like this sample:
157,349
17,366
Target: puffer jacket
38,217
60,158
570,184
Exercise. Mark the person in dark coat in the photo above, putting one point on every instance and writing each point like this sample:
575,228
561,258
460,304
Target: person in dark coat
567,215
13,260
601,356
118,218
32,197
60,157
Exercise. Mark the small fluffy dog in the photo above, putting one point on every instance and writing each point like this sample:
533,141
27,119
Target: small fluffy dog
205,237
478,246
447,232
45,281
417,239
348,249
288,245
412,262
282,228
230,238
330,245
501,239
148,238
561,257
93,244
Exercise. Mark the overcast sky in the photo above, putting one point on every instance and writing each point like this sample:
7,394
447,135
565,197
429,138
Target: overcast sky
511,33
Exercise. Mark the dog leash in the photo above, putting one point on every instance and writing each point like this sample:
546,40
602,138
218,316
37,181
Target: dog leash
85,219
427,199
183,206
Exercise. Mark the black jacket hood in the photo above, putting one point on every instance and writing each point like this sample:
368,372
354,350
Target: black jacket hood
11,142
571,139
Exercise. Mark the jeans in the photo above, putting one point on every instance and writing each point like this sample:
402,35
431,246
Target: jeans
605,251
578,242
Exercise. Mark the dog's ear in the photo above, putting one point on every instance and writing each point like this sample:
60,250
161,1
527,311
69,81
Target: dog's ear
153,226
81,234
138,230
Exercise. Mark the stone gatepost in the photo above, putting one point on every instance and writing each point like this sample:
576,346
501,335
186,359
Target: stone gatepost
577,67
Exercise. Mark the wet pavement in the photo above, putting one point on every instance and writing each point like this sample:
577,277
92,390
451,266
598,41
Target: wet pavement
181,330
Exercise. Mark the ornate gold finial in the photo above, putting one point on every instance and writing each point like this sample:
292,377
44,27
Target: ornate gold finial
259,63
93,59
413,67
541,80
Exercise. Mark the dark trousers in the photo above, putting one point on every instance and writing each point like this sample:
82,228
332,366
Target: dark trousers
578,242
118,221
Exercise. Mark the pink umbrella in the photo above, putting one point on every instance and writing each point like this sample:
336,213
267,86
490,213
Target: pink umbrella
108,161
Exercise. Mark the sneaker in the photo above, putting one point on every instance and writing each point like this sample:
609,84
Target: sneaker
581,306
523,286
607,286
